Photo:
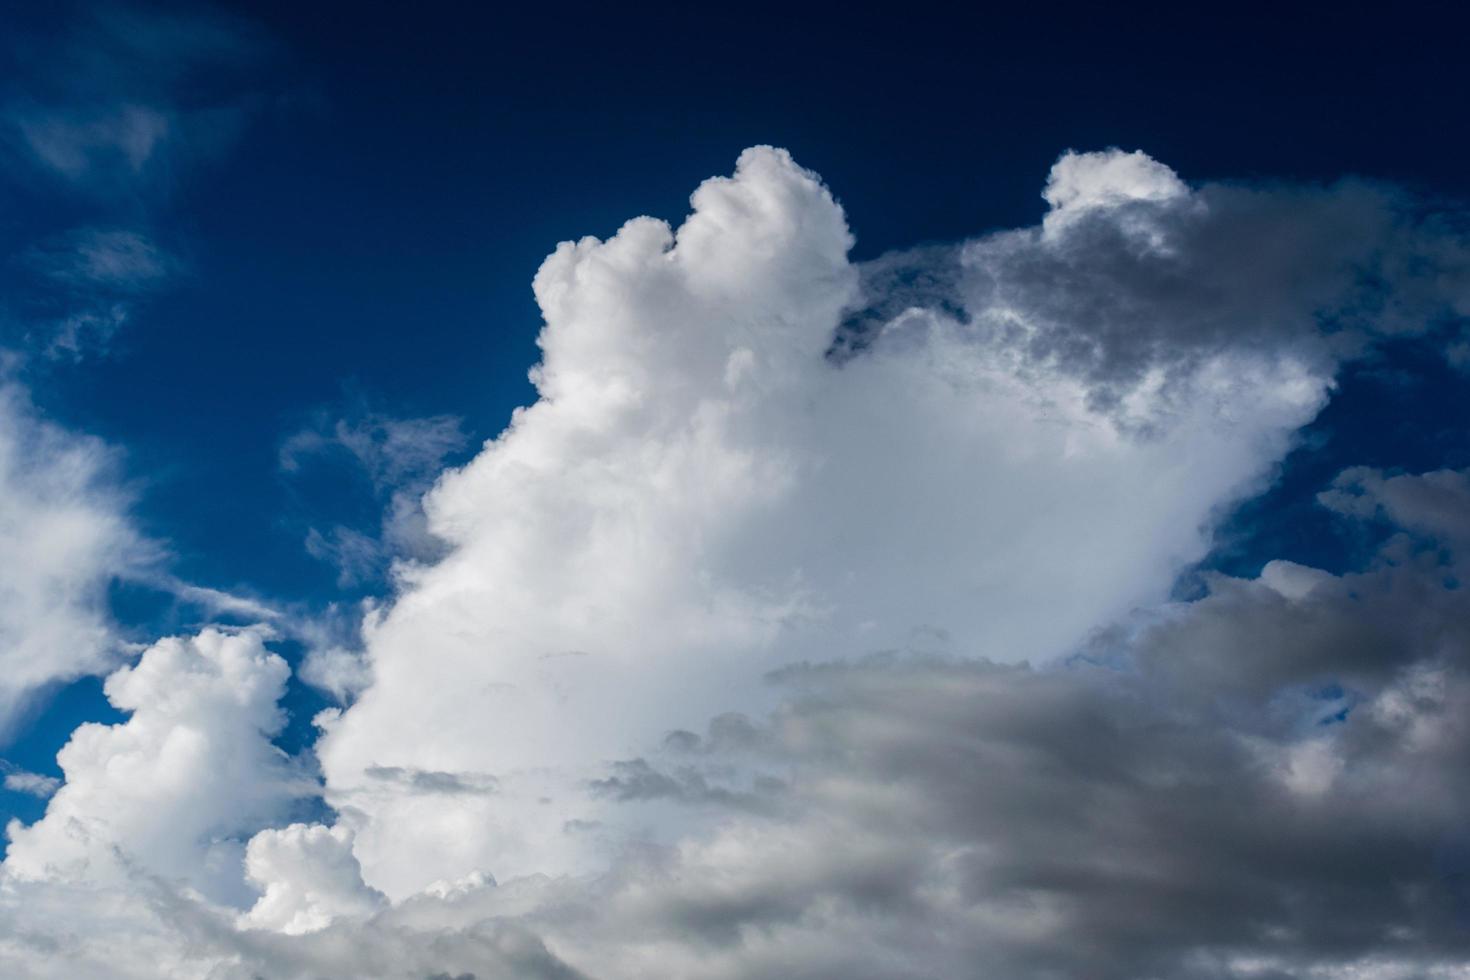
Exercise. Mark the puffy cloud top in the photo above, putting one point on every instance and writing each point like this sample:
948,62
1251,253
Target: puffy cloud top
164,792
1084,182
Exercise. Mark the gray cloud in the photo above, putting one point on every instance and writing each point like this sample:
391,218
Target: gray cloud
1142,291
429,781
636,779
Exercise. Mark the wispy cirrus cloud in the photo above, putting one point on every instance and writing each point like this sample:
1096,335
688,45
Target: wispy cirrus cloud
117,96
397,459
87,284
114,107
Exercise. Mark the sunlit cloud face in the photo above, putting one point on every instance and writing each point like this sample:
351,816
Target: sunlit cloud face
817,619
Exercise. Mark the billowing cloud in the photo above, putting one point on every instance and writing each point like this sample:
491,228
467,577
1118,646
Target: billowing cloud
1246,785
742,459
170,791
308,879
816,621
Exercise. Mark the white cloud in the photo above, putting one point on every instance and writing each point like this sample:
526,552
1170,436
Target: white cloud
77,146
308,878
170,791
703,493
65,535
731,620
1111,180
19,780
1435,503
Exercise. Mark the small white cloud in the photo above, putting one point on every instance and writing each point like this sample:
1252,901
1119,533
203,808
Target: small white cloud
1291,580
19,780
168,789
308,878
399,458
1082,183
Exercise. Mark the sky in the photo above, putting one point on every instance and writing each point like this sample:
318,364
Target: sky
590,492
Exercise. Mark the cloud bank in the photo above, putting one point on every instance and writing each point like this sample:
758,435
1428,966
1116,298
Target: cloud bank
816,621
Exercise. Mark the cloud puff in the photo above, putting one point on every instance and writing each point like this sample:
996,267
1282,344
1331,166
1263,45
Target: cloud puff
112,258
92,280
1108,181
308,879
169,791
19,780
1435,503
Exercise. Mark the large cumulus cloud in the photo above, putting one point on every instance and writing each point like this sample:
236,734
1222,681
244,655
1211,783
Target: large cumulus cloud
742,458
815,621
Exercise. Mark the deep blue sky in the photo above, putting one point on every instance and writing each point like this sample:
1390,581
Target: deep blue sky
368,236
